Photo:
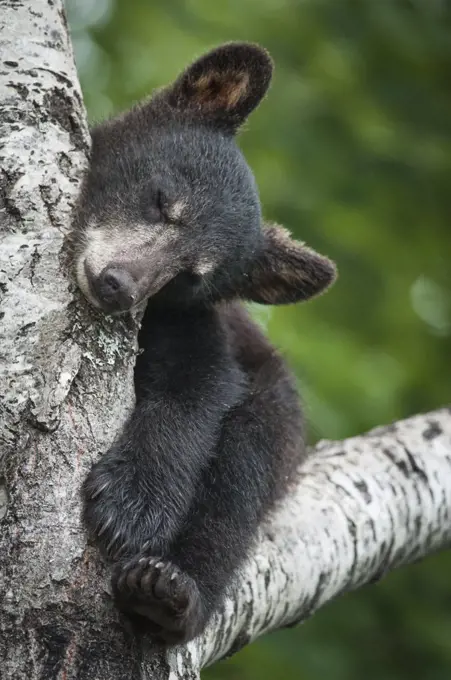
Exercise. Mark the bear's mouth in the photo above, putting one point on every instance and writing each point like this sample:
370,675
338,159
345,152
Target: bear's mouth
116,289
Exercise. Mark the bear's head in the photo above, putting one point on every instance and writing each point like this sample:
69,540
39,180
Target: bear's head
169,208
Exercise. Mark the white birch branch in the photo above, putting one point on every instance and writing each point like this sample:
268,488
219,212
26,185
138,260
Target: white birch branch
361,508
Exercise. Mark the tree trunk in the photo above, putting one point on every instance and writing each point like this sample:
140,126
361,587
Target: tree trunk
362,507
66,375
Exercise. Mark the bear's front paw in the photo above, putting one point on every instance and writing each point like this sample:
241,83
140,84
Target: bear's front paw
160,591
114,512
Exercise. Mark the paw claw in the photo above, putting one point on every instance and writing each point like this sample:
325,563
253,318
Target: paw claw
119,551
113,541
105,527
98,491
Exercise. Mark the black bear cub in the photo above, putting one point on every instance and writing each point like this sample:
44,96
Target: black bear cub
169,217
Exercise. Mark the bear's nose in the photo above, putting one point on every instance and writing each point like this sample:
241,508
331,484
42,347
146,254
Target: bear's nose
116,288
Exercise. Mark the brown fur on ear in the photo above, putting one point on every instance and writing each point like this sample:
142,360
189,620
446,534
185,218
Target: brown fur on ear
286,271
224,85
216,90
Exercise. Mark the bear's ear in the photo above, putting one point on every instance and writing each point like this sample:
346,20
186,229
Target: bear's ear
286,271
224,85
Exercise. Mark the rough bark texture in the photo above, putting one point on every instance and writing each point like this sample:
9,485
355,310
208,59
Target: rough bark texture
361,508
65,380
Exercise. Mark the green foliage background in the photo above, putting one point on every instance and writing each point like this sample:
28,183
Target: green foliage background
352,152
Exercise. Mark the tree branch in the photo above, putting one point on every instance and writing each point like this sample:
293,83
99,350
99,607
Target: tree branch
361,508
